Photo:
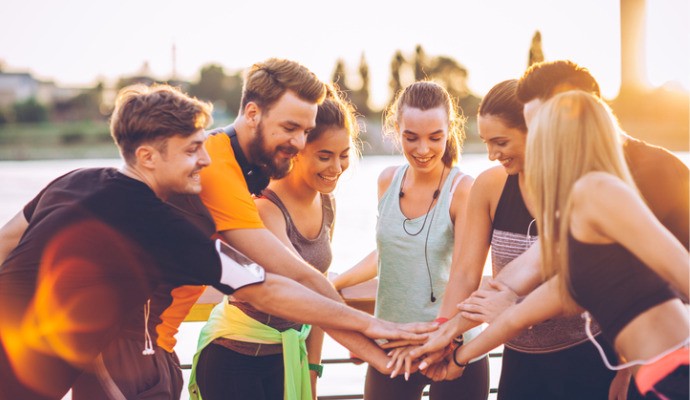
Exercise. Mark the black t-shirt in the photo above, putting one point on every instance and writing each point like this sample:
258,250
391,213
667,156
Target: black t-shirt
97,245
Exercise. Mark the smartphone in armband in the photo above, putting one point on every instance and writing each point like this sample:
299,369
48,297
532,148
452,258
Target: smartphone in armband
237,269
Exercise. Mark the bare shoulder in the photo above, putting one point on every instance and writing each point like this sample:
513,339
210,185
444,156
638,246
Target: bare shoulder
601,195
269,211
385,179
601,187
462,184
490,183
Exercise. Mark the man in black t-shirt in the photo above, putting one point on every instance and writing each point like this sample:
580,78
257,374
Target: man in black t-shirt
84,257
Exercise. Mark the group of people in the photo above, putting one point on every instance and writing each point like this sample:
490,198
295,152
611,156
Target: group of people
101,267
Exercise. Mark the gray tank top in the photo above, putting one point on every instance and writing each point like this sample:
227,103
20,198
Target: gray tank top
404,291
317,252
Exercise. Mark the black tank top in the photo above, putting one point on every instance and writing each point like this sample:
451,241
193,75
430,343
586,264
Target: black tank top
612,284
514,230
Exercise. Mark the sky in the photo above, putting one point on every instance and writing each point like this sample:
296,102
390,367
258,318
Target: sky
77,42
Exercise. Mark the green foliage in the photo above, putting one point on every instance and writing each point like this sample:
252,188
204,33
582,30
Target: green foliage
395,83
214,85
4,118
536,54
30,110
338,76
84,106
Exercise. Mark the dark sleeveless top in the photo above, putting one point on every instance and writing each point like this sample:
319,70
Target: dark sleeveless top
317,252
509,239
612,284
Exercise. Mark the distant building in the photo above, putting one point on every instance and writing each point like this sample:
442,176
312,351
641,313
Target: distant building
20,86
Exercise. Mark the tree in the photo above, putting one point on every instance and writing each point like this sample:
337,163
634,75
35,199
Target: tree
210,84
30,110
420,64
338,77
536,54
360,97
214,85
85,105
396,64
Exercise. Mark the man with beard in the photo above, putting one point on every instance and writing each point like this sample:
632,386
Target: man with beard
278,109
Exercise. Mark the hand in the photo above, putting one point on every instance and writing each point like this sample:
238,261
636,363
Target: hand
380,329
435,346
436,372
399,359
453,372
619,385
391,344
487,303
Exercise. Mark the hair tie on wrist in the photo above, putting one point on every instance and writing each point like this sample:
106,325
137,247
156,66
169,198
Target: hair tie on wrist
455,359
441,320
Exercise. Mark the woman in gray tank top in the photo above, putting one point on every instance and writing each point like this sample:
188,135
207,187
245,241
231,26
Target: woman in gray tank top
299,209
420,214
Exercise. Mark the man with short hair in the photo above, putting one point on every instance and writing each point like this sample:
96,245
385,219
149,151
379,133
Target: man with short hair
83,261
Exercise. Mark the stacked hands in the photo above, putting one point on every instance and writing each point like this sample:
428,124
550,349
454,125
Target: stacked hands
440,355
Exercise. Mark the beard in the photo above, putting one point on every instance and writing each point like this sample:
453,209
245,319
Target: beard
267,160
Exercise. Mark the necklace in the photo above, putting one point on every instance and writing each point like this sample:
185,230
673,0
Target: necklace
433,198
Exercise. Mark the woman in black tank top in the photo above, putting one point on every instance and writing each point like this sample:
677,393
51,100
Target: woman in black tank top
602,248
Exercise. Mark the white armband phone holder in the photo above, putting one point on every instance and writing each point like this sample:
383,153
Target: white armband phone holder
238,270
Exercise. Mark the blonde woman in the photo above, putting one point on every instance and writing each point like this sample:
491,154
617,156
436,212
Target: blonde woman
601,248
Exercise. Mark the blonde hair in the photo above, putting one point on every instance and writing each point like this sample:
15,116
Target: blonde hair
426,95
572,134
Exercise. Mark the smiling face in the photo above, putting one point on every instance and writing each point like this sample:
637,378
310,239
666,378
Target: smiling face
323,160
179,161
424,134
507,145
281,133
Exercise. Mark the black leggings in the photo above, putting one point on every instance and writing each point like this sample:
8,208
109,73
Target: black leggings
575,373
225,374
472,385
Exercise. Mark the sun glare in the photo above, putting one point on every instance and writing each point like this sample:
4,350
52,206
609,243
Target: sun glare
668,43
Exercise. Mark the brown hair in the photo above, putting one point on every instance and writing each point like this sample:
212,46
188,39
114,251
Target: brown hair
146,114
426,95
267,81
334,112
541,80
502,103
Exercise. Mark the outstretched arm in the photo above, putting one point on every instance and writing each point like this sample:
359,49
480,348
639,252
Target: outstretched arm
517,278
472,225
363,271
543,303
287,299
